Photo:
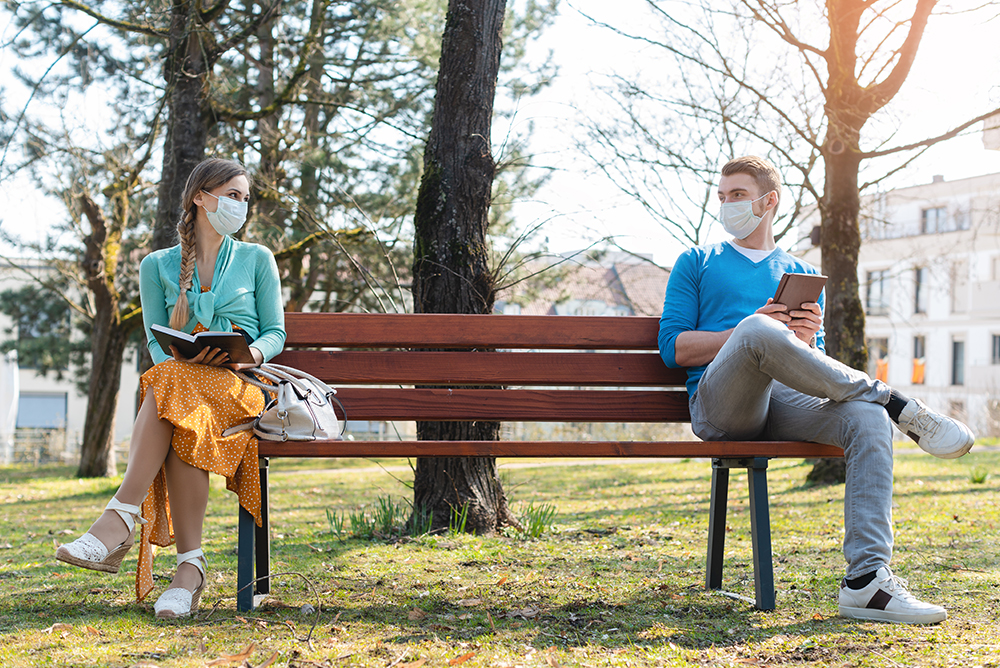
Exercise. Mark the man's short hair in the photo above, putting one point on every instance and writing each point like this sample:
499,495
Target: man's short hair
764,174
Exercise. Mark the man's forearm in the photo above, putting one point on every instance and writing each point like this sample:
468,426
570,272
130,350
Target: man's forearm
699,348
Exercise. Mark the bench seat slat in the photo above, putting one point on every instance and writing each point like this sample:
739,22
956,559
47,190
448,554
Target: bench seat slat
652,449
448,330
485,368
462,404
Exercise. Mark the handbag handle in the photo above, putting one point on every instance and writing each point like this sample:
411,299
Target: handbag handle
292,375
277,373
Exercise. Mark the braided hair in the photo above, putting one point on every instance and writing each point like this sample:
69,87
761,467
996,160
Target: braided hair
207,175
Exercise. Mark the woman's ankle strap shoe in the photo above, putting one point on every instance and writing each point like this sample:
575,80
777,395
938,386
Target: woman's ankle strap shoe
179,602
130,514
88,551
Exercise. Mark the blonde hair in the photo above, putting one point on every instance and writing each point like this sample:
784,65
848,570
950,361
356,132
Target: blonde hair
207,175
761,170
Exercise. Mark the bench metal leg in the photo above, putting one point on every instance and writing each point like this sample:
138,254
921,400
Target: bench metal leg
244,561
717,525
760,528
253,542
760,533
263,532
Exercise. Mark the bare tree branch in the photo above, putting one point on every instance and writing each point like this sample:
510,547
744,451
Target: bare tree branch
954,132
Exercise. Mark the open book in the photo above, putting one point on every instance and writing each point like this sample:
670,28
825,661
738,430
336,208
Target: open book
189,345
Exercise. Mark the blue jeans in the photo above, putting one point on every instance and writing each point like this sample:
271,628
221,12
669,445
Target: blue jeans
766,384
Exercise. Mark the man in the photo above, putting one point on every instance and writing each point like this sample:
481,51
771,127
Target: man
757,370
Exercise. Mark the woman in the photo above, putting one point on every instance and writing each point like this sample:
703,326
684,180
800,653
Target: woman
207,282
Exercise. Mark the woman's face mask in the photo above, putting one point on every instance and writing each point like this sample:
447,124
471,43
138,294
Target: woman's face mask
738,217
228,216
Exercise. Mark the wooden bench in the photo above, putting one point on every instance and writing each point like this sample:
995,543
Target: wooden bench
564,369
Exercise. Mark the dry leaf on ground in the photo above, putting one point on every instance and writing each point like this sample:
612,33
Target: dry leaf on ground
526,613
461,659
269,661
226,659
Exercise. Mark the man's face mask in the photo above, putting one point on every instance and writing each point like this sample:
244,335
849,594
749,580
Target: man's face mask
228,216
738,218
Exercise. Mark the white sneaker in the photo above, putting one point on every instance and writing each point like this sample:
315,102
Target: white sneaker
886,599
936,434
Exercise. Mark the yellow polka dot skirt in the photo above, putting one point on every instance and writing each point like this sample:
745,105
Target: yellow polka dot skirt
201,402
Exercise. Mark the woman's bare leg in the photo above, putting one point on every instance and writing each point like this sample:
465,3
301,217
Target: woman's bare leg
147,451
188,489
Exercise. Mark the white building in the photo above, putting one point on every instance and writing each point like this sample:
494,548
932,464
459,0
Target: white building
929,270
50,412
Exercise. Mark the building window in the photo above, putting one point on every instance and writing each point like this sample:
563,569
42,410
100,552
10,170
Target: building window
996,349
36,410
958,362
919,360
876,297
920,290
878,359
933,220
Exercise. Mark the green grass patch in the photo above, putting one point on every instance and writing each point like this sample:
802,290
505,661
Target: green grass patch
614,578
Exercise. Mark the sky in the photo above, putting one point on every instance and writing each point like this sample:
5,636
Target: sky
956,75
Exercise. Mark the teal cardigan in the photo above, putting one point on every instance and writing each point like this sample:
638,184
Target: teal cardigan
245,292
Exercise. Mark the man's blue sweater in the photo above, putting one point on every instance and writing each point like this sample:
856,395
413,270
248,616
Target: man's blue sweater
712,288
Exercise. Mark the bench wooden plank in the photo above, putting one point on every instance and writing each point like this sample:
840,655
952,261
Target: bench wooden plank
645,449
485,368
451,331
464,404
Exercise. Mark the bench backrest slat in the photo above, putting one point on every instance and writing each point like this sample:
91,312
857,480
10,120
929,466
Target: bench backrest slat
489,367
446,330
463,404
485,368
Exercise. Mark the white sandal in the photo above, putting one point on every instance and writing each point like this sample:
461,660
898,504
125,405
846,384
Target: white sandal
177,601
88,551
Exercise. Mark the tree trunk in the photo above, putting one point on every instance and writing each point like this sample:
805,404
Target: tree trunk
185,70
840,244
450,267
270,215
107,351
108,338
304,269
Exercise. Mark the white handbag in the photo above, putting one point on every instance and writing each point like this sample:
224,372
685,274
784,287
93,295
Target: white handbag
302,408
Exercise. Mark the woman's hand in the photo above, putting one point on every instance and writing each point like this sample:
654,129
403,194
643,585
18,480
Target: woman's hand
258,359
208,356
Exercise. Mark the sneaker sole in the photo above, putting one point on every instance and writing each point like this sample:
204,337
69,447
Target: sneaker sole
954,454
896,617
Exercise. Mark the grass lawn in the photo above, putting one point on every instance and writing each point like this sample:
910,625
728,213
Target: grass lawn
617,580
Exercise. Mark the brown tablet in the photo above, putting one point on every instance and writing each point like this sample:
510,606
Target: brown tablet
794,290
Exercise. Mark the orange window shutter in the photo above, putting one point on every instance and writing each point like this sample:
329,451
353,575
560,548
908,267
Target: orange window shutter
882,370
918,370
